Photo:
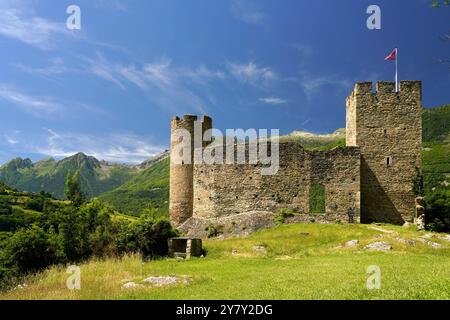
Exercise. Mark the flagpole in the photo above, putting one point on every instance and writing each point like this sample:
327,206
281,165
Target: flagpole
396,70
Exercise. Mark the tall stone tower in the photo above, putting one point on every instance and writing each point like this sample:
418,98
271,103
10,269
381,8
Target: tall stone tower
182,175
387,126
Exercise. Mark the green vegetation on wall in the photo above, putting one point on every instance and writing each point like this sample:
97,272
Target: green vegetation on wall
317,198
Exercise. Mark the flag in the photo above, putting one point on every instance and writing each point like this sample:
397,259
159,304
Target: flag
392,55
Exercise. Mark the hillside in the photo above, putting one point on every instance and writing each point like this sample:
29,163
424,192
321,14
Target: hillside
21,209
436,151
95,176
301,261
146,192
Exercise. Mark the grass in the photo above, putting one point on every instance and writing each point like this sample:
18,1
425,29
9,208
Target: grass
302,261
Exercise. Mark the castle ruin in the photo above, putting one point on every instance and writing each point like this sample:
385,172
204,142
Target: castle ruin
373,174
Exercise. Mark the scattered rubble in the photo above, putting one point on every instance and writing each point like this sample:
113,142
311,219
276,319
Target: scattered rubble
378,246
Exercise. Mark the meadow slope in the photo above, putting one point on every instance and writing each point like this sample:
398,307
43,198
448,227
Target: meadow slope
302,261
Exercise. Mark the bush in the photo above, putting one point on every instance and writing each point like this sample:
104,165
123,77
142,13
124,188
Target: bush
36,204
437,206
213,231
30,250
146,236
282,214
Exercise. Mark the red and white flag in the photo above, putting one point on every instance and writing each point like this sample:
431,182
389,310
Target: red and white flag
394,56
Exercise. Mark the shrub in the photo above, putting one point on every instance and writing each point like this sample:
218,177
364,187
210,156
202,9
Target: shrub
437,206
31,250
145,236
36,204
282,214
213,231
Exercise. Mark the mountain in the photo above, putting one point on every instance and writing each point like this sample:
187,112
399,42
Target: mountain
95,176
436,124
148,191
436,147
143,188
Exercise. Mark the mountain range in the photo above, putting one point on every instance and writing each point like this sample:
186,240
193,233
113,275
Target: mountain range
144,188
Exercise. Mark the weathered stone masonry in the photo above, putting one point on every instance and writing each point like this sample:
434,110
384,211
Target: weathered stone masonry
374,173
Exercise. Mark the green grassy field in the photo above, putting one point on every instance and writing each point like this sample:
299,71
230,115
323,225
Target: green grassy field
302,261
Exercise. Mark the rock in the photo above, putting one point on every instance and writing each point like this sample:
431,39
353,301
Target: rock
131,285
406,241
351,243
234,252
430,243
161,281
428,236
446,237
420,201
378,246
419,221
165,281
407,225
260,249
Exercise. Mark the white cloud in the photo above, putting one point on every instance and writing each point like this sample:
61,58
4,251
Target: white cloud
246,11
10,140
115,147
44,106
37,106
56,67
273,100
311,85
17,21
251,73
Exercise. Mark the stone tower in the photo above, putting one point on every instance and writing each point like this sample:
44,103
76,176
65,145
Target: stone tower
387,127
182,175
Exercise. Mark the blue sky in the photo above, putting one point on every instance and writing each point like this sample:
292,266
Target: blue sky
110,89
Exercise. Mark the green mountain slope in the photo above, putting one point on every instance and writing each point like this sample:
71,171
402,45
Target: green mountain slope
148,191
436,151
95,176
436,124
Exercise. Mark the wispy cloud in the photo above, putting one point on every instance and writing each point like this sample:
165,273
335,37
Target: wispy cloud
37,106
246,11
251,73
56,67
17,21
312,85
273,100
44,106
115,147
170,86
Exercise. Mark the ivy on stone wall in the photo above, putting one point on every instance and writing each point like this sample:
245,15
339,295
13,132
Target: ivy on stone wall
317,198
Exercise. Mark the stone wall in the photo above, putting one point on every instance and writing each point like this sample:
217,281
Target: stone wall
387,127
224,190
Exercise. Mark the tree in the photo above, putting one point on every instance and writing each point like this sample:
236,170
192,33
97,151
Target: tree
31,250
73,190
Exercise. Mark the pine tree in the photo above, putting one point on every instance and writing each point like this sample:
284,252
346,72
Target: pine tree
73,190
